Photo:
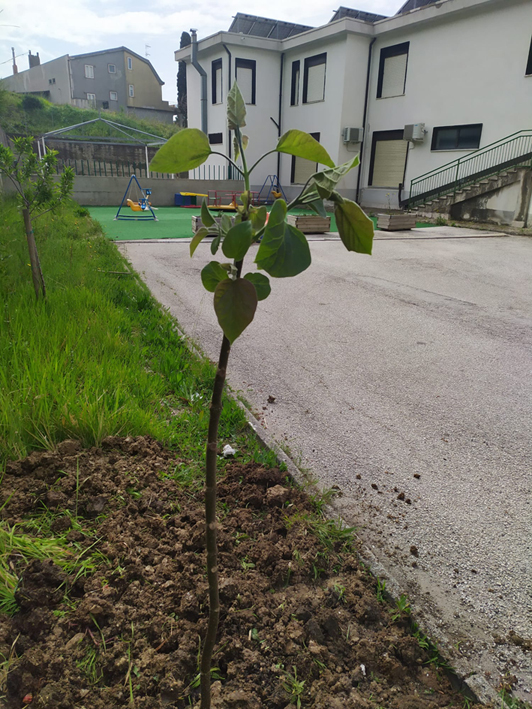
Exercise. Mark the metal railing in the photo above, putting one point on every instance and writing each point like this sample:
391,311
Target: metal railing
216,172
513,151
106,168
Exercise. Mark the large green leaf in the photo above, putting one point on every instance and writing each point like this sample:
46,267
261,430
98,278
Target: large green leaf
184,151
354,227
212,274
238,240
235,303
197,239
303,145
236,145
206,216
236,108
261,283
325,181
283,251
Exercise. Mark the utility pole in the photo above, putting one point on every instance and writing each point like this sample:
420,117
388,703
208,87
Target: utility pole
15,68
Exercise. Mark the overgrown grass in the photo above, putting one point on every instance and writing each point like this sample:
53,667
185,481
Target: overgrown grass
100,357
32,115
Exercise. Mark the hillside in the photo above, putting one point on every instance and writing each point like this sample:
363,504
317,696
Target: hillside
25,114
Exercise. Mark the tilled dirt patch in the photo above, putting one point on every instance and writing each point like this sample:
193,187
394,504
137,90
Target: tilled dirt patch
300,622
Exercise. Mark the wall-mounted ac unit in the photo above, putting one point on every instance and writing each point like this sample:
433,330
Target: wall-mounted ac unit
353,135
414,132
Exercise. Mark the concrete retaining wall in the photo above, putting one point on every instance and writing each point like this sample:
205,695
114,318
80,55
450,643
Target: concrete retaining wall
108,191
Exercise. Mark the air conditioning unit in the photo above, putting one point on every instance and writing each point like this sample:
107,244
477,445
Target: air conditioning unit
414,132
353,135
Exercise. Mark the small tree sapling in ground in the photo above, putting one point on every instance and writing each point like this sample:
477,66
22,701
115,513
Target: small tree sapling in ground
36,191
283,252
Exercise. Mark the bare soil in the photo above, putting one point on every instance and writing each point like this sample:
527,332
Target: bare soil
291,607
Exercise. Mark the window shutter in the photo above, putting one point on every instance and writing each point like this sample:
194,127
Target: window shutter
303,169
219,93
389,163
393,80
316,83
244,78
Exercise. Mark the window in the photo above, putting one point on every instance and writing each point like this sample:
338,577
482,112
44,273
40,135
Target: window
51,81
528,71
111,68
302,169
245,73
314,78
91,98
131,90
105,104
129,63
113,95
456,137
388,159
89,71
215,138
294,91
217,89
392,71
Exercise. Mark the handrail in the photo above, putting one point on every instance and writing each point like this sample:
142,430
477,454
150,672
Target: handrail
513,150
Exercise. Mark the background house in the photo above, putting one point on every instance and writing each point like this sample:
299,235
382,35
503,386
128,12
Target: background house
457,72
111,79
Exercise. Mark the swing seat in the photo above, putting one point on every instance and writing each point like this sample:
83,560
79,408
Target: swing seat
136,207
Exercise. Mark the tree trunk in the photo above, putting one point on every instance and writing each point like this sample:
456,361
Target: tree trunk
210,525
36,272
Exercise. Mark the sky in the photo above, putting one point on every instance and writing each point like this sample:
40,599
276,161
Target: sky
153,30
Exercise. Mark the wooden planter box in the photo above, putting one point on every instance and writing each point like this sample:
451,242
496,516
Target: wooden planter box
396,222
310,224
197,223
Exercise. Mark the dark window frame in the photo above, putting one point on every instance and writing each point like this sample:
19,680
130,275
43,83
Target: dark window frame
316,60
528,70
294,88
248,64
394,51
216,65
316,136
216,138
435,130
377,137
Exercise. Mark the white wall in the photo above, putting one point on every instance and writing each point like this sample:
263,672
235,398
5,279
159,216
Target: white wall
37,80
465,68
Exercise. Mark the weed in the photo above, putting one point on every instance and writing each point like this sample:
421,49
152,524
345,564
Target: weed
508,701
381,591
89,665
441,221
5,666
246,565
402,608
293,686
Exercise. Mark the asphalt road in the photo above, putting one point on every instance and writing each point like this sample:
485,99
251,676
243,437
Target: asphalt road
405,380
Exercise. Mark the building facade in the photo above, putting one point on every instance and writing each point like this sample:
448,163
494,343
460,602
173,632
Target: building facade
111,79
456,74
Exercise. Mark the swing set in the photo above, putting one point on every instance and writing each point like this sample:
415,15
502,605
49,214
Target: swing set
140,204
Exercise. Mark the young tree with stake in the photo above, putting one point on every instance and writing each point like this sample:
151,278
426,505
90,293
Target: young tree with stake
37,192
283,252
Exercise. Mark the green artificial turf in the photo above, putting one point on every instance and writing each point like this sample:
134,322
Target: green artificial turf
173,223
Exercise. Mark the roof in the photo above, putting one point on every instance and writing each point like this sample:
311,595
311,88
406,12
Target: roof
356,15
120,49
264,27
414,5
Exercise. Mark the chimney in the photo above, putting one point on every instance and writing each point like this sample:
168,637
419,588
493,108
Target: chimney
34,59
15,67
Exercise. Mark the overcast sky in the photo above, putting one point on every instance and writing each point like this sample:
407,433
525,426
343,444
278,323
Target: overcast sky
57,27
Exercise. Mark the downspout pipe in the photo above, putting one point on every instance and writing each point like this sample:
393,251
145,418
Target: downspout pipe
229,141
280,114
203,74
364,119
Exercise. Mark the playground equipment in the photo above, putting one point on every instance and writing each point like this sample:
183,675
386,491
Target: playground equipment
140,205
271,190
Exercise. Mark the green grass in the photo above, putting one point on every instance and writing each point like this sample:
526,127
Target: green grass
100,357
174,223
32,115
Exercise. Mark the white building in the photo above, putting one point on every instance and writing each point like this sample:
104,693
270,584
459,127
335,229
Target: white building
458,72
